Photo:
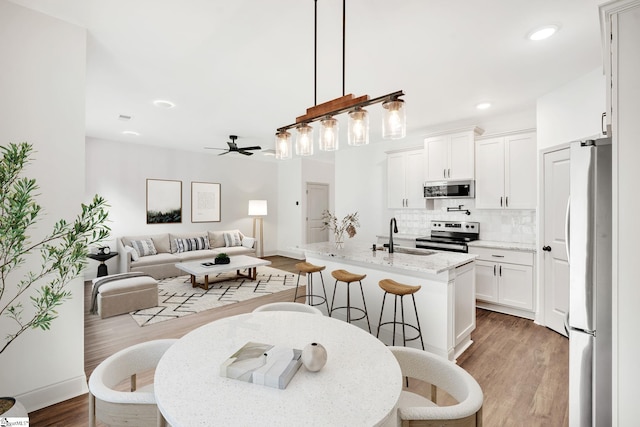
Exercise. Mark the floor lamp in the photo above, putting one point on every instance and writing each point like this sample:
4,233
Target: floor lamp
258,209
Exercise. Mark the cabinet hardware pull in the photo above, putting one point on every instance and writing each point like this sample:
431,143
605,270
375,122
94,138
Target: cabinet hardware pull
497,256
500,201
602,123
448,173
500,270
506,201
444,173
494,269
546,248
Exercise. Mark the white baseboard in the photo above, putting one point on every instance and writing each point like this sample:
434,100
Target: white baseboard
54,393
292,254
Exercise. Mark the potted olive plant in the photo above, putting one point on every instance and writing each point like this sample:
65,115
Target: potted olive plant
62,252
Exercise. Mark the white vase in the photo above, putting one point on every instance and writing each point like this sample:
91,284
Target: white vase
339,240
314,357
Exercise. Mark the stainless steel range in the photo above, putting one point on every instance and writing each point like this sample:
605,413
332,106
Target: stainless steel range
450,236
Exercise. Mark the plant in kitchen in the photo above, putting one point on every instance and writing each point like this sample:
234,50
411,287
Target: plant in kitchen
349,224
62,252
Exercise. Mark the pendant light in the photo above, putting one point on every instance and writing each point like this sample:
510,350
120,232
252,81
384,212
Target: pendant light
329,134
304,140
394,123
358,127
283,145
393,127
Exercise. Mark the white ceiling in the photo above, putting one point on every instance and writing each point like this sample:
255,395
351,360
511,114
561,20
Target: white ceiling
245,67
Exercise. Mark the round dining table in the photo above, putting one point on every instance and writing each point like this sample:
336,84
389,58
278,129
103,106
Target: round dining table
358,386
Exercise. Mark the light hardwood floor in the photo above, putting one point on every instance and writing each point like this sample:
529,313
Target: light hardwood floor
521,367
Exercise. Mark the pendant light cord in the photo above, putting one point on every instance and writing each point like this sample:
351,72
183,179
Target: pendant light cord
344,20
315,53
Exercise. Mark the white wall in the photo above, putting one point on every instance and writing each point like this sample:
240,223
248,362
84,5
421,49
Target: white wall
42,80
118,171
572,111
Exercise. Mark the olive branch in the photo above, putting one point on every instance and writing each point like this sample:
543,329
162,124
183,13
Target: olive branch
62,252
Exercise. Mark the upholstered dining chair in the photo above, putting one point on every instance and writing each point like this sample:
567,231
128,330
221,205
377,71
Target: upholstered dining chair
417,411
289,306
126,408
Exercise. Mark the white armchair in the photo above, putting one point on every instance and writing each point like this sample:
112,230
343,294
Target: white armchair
289,306
414,410
122,408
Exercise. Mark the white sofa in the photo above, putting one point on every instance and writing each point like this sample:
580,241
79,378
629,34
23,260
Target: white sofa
163,251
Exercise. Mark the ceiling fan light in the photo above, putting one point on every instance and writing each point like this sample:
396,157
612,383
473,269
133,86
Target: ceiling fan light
329,134
304,140
358,127
283,145
394,123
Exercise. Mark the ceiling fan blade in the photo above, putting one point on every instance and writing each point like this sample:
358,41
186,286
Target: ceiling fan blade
254,147
215,148
222,154
246,153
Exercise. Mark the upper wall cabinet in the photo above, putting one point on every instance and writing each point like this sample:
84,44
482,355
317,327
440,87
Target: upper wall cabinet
506,172
405,178
450,156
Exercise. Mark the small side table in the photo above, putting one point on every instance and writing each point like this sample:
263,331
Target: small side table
102,268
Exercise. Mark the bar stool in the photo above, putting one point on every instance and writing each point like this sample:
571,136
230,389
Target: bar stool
400,290
309,269
349,278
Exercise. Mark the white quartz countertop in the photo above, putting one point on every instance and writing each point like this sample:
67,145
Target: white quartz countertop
515,246
434,263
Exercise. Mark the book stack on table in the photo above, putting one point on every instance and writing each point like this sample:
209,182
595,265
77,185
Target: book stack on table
263,364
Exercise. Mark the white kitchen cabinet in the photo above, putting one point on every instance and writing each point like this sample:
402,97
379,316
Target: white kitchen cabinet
405,179
505,281
506,172
450,156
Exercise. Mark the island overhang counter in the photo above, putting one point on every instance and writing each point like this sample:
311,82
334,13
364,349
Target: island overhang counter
445,303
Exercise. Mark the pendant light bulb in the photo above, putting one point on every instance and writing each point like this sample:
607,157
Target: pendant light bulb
394,123
304,140
358,127
283,145
329,134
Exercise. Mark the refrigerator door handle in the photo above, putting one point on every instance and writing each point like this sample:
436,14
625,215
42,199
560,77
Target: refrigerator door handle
567,221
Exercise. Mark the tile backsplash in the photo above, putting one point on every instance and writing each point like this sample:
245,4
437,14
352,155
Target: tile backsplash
495,224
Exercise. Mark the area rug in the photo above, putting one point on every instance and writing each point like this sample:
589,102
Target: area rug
177,298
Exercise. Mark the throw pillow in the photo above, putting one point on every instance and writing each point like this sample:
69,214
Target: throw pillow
232,239
248,242
192,244
133,252
144,247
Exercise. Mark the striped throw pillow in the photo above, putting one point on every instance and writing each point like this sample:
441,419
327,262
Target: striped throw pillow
144,247
193,244
232,239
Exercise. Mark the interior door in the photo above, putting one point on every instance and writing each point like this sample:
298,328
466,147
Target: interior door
317,202
555,263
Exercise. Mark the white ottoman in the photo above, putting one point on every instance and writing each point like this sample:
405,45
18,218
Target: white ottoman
126,295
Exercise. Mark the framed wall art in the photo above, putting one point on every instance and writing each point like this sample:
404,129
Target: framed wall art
205,202
164,201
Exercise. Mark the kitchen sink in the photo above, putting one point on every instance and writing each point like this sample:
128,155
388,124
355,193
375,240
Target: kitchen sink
413,251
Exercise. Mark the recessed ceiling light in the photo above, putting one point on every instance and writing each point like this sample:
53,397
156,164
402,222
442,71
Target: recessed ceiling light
483,105
130,133
162,103
543,32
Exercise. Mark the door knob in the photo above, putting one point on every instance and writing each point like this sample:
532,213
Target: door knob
546,248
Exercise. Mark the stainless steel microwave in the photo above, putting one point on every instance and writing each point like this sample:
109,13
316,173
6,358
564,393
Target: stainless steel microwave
449,189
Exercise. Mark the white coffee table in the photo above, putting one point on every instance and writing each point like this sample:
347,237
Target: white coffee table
238,262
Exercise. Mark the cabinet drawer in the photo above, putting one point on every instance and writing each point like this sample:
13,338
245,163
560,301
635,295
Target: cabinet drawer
503,255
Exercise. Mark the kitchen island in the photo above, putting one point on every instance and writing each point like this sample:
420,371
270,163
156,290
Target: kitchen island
445,303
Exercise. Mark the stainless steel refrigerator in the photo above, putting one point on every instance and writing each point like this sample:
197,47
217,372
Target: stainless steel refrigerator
590,310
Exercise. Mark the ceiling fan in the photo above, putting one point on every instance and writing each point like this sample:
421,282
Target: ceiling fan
233,147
